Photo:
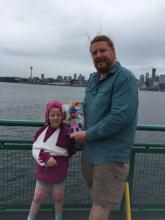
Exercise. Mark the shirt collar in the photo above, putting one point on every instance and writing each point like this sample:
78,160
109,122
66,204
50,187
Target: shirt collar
114,68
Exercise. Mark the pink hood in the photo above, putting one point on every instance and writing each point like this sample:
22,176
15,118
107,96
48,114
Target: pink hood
52,104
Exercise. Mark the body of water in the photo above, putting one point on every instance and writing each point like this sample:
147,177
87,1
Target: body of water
28,101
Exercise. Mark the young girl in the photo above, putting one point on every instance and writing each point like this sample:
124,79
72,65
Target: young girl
51,150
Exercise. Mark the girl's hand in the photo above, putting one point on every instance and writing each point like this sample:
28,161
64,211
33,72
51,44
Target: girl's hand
51,162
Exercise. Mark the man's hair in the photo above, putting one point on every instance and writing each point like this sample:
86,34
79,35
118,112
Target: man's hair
102,38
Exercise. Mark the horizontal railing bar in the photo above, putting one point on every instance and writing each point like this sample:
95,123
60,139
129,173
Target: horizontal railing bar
16,141
51,209
15,146
137,149
143,127
148,145
30,142
6,141
35,123
27,123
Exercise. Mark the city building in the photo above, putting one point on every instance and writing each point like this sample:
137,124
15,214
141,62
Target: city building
154,82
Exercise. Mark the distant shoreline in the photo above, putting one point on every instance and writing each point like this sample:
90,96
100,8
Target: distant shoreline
46,84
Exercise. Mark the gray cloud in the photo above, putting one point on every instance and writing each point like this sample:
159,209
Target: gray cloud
53,36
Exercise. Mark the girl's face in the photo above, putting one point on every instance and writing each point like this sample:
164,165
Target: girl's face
55,117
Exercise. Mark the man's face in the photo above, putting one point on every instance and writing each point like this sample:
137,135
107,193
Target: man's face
103,56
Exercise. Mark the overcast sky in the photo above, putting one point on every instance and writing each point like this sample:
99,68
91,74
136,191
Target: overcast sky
53,36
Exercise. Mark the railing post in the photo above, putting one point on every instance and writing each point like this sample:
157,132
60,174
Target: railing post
127,202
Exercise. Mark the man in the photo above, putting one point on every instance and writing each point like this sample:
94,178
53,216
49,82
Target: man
110,119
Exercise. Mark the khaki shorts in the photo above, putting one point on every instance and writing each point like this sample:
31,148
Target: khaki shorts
106,181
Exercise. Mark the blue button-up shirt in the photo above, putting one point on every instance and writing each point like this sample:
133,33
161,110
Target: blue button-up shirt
110,116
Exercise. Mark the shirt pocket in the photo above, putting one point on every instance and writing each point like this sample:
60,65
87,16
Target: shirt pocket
102,99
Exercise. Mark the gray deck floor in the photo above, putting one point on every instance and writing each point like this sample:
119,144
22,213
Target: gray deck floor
80,216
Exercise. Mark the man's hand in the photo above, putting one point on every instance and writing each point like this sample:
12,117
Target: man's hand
73,103
80,136
51,162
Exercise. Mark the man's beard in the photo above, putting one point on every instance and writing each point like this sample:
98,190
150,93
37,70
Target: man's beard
103,68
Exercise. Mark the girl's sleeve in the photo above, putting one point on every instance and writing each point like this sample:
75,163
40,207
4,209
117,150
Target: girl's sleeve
39,155
39,131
